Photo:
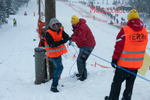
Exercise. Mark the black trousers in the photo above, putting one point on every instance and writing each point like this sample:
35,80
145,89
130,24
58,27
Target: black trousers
119,77
81,61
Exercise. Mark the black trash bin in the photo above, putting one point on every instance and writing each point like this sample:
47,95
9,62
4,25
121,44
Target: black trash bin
40,65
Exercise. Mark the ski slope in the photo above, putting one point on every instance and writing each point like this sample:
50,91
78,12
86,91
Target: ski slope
17,73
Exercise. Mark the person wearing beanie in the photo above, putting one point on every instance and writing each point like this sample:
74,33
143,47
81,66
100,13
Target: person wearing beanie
55,39
129,53
85,40
75,19
133,15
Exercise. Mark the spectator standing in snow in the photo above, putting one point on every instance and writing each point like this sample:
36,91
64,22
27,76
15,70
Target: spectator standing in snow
25,13
94,17
117,21
85,40
55,38
111,22
34,13
14,22
129,54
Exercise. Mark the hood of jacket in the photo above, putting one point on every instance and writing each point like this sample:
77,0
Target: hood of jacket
82,21
54,21
135,24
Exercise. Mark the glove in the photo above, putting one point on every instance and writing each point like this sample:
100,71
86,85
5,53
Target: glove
64,41
70,38
73,30
114,63
70,41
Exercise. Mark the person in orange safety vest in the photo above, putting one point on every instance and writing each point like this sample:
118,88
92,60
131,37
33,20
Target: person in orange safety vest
34,13
129,53
55,39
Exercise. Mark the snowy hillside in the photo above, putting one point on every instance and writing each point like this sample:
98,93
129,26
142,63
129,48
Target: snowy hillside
17,73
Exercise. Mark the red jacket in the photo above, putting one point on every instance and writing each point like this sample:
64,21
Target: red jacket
82,35
136,25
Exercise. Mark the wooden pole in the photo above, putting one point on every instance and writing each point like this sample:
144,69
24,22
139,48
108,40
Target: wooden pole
49,10
49,13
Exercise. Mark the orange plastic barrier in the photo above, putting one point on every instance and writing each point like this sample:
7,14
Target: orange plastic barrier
40,30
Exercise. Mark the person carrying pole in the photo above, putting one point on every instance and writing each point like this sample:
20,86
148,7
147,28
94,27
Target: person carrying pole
129,54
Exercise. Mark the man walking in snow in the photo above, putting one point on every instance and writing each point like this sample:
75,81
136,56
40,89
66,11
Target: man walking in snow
129,54
55,38
85,40
14,22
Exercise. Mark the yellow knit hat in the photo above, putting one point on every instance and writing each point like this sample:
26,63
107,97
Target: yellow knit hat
133,14
75,19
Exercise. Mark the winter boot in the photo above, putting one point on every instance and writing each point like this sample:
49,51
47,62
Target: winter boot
77,75
54,89
81,79
107,98
123,99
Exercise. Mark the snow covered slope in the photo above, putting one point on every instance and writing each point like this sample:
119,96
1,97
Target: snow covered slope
17,69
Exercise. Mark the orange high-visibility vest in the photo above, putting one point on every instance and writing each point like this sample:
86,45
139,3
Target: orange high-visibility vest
56,51
134,48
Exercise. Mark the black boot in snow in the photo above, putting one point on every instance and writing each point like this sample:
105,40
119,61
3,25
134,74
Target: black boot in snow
106,98
77,75
54,89
122,99
81,79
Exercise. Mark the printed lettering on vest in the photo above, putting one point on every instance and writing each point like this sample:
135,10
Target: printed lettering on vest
137,37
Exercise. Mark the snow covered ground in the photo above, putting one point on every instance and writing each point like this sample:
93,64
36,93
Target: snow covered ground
17,73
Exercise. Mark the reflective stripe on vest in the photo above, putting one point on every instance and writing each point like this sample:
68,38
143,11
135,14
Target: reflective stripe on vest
57,51
133,52
134,48
132,59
